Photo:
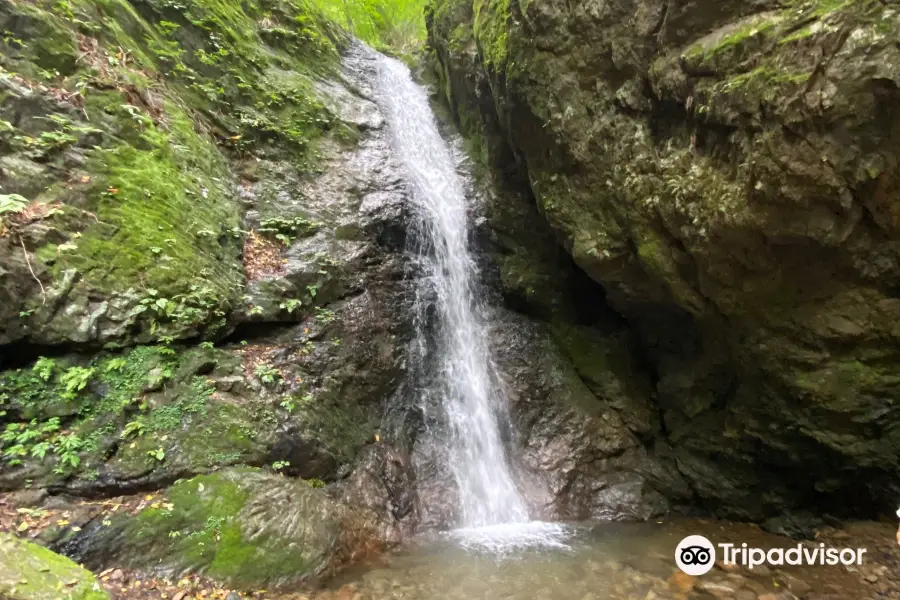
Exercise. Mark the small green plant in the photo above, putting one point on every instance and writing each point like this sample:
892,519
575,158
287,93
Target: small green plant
44,367
287,230
12,203
159,454
288,405
116,365
198,305
40,450
75,379
325,316
133,428
314,483
313,290
68,447
290,305
267,374
278,465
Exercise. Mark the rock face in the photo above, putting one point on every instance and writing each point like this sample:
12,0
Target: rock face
584,422
195,292
727,172
31,572
239,525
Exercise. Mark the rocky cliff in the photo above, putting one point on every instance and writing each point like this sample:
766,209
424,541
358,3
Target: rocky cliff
726,172
201,235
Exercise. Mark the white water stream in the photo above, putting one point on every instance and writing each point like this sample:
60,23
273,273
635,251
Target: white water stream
493,513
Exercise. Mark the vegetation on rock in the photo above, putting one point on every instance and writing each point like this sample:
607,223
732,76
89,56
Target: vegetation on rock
31,572
734,196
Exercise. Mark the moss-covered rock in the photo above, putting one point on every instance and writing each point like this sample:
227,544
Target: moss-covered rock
152,414
31,572
117,139
238,525
726,171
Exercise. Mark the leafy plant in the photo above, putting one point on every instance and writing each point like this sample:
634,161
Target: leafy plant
68,447
325,316
74,380
133,428
291,305
44,367
159,454
116,364
278,465
12,203
267,374
287,230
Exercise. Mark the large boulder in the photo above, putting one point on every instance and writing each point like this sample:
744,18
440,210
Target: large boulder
240,526
31,572
726,171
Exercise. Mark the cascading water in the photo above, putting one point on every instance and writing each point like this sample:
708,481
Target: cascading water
488,495
492,511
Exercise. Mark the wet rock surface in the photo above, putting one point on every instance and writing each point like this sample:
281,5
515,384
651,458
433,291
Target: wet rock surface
730,194
580,435
315,350
31,572
686,345
238,526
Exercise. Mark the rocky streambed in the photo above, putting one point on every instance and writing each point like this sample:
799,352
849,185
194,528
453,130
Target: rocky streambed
209,316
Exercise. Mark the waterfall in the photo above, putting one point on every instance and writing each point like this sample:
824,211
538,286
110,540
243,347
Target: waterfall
465,380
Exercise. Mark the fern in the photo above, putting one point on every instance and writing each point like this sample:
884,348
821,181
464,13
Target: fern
12,203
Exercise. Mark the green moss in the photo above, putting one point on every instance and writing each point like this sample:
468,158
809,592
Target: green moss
200,524
491,31
31,572
844,381
757,29
166,195
163,97
38,43
761,79
113,404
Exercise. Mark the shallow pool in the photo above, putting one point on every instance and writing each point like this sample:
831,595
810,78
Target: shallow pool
609,561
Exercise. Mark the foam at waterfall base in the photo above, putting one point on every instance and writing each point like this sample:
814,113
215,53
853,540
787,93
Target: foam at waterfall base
504,538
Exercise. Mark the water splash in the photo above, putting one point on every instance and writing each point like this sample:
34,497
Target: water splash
487,492
452,339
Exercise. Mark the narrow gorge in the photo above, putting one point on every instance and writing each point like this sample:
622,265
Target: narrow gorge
462,299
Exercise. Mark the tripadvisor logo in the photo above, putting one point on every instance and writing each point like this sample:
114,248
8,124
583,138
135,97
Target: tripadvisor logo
696,555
